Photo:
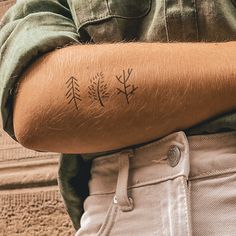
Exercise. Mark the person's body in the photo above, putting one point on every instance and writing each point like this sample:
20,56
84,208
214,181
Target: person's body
106,98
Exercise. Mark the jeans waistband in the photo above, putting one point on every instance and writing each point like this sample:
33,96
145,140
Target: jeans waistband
175,155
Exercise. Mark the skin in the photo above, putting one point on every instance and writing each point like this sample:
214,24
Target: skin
169,87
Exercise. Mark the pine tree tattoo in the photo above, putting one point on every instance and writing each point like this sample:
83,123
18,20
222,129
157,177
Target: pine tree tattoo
97,89
73,92
128,89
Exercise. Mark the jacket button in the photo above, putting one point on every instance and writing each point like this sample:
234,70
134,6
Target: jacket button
173,156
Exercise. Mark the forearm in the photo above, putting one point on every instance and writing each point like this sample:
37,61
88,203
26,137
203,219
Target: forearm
170,87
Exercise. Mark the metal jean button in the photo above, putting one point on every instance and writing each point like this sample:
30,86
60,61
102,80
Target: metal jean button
173,155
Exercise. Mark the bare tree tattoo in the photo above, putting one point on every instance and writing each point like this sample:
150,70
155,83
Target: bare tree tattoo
97,89
73,92
128,89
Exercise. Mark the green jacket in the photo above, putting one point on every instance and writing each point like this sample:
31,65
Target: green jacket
33,27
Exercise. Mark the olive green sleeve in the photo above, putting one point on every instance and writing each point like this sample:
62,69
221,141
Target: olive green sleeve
73,178
29,29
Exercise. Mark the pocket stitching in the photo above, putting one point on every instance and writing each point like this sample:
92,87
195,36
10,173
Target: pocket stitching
107,16
133,17
109,221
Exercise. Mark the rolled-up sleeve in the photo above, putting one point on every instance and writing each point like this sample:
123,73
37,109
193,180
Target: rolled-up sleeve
29,29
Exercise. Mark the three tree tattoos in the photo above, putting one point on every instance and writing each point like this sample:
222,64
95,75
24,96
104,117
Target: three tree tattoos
97,89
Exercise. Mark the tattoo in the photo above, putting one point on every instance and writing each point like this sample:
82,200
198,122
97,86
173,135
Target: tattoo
98,89
128,89
73,92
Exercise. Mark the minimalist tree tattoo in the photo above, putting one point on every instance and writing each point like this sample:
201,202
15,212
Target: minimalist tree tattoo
97,89
73,92
128,90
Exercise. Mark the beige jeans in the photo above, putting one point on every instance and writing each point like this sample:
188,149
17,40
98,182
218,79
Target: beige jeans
177,186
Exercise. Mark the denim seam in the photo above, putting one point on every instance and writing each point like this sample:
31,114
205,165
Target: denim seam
213,172
185,207
188,184
108,223
143,184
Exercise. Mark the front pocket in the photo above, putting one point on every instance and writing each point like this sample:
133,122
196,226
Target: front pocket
109,220
88,11
100,213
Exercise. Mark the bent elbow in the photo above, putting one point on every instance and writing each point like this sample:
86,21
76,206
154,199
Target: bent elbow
25,134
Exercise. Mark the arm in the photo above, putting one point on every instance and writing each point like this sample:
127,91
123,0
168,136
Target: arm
28,30
172,87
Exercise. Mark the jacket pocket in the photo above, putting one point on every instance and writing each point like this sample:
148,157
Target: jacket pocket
91,12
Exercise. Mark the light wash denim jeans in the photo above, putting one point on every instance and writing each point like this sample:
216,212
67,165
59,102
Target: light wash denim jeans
178,186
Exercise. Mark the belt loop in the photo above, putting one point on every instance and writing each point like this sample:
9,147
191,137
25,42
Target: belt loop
121,198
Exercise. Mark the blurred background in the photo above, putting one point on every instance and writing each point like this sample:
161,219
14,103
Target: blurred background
30,202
